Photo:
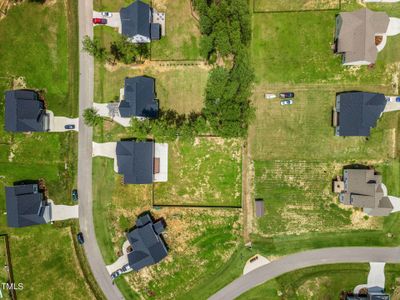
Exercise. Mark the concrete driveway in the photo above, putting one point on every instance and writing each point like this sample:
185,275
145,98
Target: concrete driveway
57,124
394,27
110,110
392,105
63,212
113,21
106,150
376,277
255,262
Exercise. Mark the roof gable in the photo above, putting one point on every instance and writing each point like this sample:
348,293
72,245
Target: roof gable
135,19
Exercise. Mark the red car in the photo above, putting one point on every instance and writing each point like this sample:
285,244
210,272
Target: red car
99,21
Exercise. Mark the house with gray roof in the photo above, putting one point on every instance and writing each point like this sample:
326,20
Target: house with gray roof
148,246
139,98
360,35
138,23
25,112
363,188
357,112
26,205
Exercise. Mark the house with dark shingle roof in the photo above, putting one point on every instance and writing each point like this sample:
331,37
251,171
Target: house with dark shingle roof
139,98
363,188
360,35
25,112
26,206
357,112
137,23
147,243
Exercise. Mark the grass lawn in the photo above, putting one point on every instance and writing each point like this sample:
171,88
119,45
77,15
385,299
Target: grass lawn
206,172
182,34
321,282
200,240
45,55
294,5
296,48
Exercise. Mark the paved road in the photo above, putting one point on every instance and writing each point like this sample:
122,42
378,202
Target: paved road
306,259
86,86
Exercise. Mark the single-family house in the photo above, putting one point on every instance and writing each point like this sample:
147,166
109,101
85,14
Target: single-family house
139,98
363,188
137,23
360,35
357,112
148,246
25,112
27,205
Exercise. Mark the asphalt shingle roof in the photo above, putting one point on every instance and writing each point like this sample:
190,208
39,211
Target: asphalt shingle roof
148,246
359,112
135,19
24,111
25,207
139,98
135,161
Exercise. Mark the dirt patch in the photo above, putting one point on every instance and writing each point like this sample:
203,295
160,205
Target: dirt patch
360,220
160,5
18,83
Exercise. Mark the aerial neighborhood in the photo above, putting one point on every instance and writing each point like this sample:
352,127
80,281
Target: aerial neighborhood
200,149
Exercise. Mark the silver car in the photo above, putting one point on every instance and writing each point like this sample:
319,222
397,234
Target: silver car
287,102
106,14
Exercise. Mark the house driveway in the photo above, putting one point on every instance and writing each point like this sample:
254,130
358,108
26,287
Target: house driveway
106,150
258,261
110,110
63,212
113,21
395,202
392,105
121,261
394,27
57,124
376,277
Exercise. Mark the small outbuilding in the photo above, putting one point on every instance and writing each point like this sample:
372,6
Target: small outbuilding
260,210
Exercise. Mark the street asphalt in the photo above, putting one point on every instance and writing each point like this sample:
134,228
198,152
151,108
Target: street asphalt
86,88
303,260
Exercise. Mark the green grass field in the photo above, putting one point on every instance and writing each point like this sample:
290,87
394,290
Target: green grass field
206,172
322,282
294,5
45,55
182,34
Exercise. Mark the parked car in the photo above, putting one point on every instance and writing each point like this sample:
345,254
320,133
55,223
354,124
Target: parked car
69,126
79,237
287,102
269,96
75,194
126,268
106,14
286,95
116,274
99,21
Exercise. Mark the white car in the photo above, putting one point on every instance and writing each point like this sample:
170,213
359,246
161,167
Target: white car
106,14
287,102
269,96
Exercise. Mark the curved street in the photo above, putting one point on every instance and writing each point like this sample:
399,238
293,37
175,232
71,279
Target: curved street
307,259
86,88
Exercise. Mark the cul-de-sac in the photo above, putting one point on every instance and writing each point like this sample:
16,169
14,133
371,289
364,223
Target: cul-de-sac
200,149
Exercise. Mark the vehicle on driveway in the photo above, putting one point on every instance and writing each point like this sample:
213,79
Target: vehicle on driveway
287,102
80,238
69,126
116,274
74,195
286,95
99,21
106,14
269,96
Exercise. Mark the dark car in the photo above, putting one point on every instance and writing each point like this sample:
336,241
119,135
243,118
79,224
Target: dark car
75,195
99,21
116,274
79,237
69,126
286,95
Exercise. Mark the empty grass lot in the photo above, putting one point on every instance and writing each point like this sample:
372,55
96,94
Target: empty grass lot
182,38
206,172
200,240
294,5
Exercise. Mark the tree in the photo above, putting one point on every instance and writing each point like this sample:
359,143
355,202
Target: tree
94,48
91,117
127,52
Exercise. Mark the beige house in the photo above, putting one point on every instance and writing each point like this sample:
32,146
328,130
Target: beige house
363,188
360,35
